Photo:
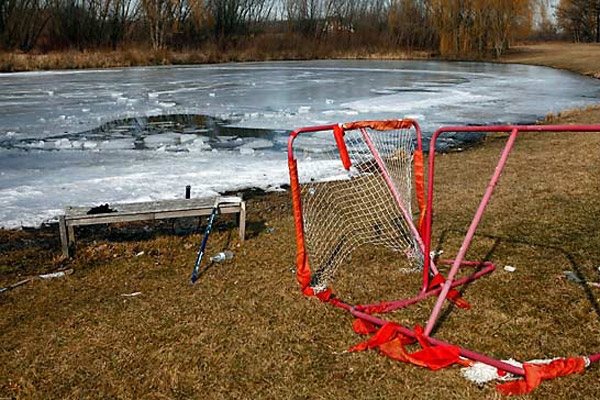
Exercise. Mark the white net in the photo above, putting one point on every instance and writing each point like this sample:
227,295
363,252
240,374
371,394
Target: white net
345,209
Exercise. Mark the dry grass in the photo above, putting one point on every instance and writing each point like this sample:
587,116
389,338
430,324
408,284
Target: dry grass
583,58
262,48
245,331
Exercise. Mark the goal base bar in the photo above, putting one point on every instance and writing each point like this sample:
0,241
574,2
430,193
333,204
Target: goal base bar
396,304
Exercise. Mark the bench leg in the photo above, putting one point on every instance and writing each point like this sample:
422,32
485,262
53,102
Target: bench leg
242,222
71,234
64,240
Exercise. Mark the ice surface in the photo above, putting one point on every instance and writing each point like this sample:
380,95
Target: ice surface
258,144
54,151
162,139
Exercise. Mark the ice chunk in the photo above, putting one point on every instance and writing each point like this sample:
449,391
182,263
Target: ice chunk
246,151
160,139
62,144
227,144
187,138
258,144
199,145
119,144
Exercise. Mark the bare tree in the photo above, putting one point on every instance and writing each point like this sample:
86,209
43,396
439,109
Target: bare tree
580,19
123,16
159,18
22,22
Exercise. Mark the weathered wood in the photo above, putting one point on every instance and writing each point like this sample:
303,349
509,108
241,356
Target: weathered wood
78,216
142,208
242,221
71,233
110,218
64,241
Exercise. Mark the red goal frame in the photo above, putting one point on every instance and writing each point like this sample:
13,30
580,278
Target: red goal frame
442,292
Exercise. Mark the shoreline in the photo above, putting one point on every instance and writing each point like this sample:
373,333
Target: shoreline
70,60
582,58
547,119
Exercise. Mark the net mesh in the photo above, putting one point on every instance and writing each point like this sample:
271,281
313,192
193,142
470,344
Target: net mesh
345,209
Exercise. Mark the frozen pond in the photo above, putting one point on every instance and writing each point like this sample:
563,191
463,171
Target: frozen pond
84,137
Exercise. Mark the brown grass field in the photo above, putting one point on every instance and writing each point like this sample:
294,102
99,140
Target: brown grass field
579,57
245,330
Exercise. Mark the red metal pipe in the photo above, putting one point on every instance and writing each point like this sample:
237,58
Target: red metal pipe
419,136
302,130
514,129
471,232
396,304
594,357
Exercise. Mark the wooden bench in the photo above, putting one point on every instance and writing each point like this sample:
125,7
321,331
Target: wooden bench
77,216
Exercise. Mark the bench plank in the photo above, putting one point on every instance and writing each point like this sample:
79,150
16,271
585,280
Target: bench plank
151,206
143,211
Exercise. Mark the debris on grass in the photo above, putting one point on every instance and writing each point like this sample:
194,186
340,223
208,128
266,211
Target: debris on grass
131,294
43,276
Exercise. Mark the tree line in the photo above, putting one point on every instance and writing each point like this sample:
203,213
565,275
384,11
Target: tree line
580,19
446,26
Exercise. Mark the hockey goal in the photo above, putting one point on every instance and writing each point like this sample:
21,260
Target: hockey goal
354,185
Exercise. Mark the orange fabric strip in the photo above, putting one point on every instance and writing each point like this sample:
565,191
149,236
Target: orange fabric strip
391,344
388,125
373,309
436,357
363,327
338,133
302,268
420,187
536,373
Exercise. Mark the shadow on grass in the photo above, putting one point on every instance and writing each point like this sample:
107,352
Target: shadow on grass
497,241
151,230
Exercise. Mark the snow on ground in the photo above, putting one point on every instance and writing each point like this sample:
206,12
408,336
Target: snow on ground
53,154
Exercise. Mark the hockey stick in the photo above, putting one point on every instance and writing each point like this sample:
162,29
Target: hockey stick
43,276
204,240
